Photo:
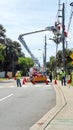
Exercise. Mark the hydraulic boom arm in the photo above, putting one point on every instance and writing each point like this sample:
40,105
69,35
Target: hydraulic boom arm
51,28
25,45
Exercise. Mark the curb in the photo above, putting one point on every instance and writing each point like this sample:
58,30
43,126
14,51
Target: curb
47,118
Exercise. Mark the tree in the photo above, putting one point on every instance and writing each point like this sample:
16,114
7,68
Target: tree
56,63
1,57
25,64
12,53
9,54
2,34
67,58
52,63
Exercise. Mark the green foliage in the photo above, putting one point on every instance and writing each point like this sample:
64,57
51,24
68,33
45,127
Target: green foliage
56,62
2,34
10,51
2,58
51,64
25,64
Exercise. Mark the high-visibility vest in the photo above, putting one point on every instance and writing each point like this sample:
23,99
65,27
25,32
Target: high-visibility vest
18,75
63,74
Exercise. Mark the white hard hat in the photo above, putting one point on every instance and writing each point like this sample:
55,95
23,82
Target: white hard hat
18,71
62,68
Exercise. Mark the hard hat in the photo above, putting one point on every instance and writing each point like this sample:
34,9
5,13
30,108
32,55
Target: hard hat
18,71
62,69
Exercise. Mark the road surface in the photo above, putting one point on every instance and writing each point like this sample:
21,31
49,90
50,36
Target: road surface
21,107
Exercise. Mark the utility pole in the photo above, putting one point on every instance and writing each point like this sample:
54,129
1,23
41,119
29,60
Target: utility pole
45,55
63,36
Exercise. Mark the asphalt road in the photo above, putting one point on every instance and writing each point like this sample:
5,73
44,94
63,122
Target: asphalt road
21,107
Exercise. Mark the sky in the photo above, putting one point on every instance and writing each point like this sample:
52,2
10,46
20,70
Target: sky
23,16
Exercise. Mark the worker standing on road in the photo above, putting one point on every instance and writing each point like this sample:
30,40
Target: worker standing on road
63,77
18,76
50,76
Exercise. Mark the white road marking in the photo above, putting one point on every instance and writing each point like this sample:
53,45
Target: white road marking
6,97
12,86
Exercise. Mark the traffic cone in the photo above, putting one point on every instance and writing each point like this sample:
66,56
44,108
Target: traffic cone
15,78
23,82
69,82
55,81
25,79
47,82
33,81
7,77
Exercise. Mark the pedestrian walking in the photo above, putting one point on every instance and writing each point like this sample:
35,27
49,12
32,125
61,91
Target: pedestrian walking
18,76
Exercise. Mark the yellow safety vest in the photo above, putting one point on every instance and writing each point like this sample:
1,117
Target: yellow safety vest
18,75
63,74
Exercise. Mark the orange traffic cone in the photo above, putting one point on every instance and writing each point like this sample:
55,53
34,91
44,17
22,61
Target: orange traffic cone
23,82
33,81
25,79
69,82
14,78
47,82
55,81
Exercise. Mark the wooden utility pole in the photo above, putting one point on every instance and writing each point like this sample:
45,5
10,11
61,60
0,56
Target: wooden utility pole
63,36
45,54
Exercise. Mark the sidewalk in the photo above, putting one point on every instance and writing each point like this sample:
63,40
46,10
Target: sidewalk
61,116
64,119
